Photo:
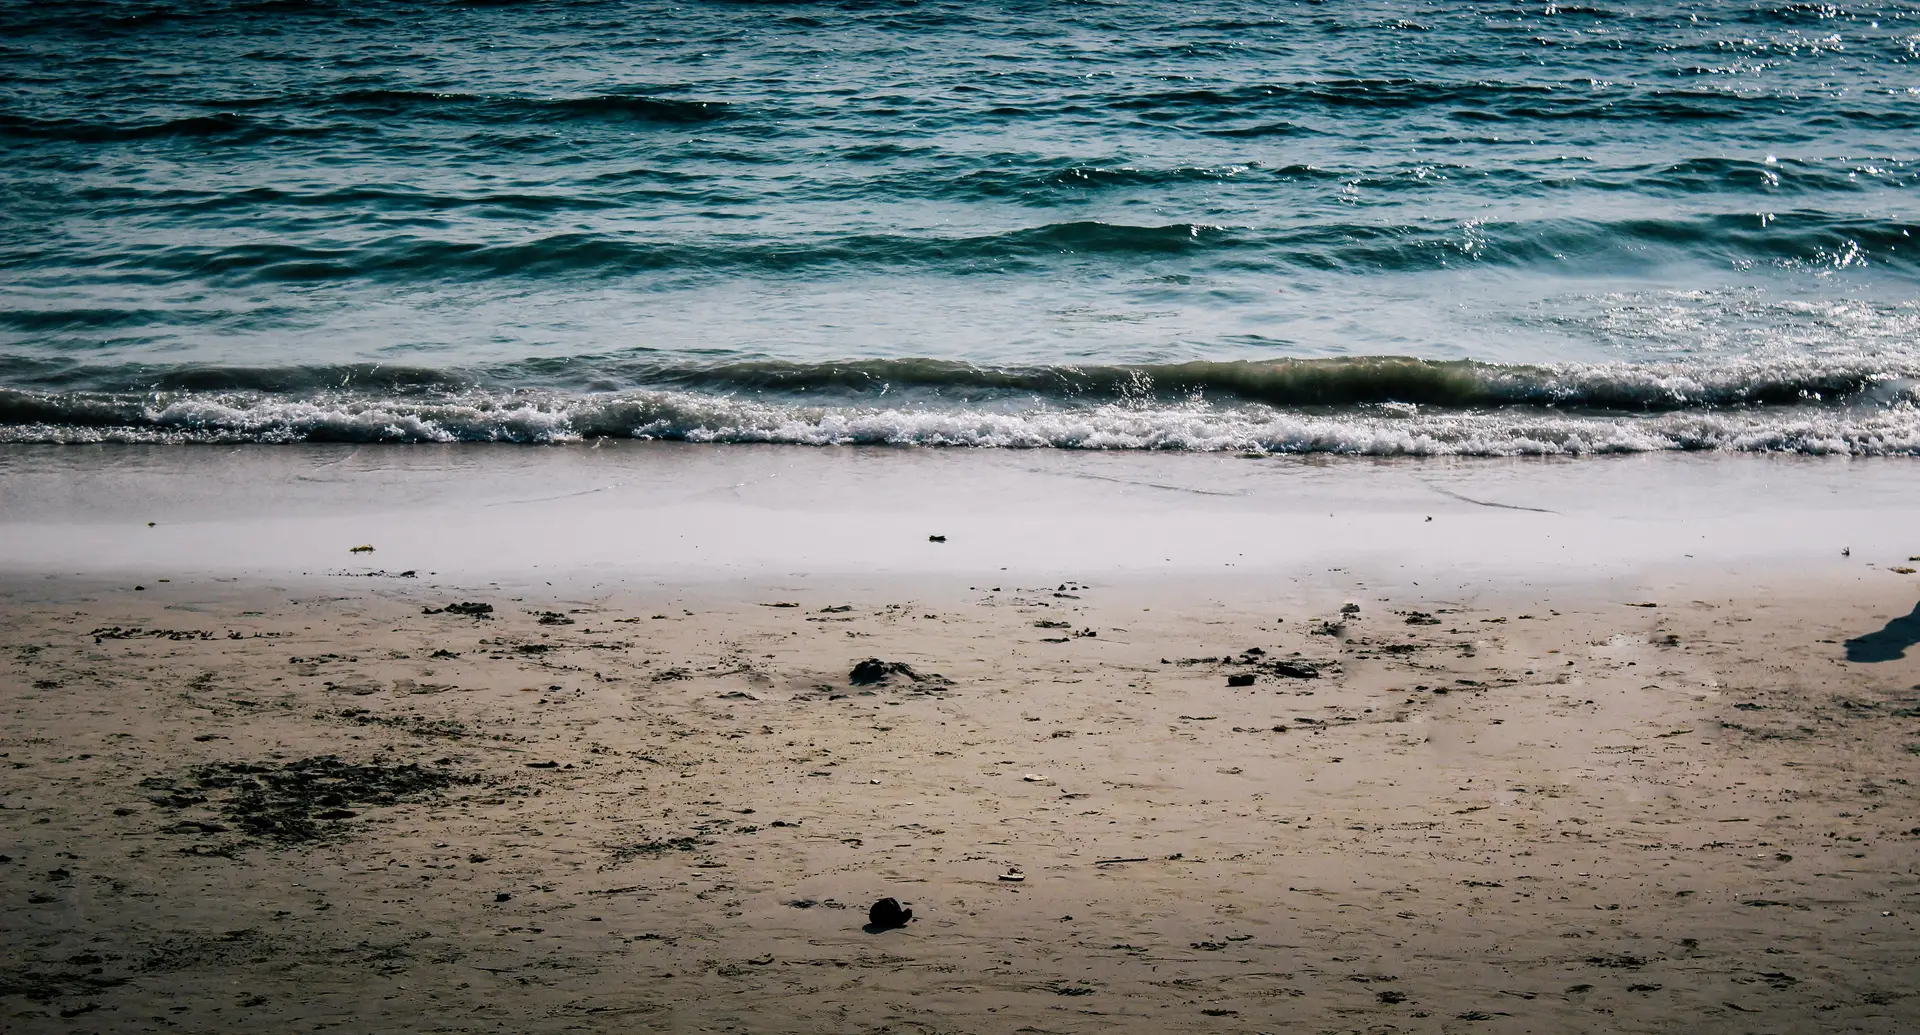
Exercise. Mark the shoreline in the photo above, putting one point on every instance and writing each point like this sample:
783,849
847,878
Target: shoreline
691,513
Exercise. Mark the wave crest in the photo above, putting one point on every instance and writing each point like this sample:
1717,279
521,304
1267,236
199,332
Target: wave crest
479,416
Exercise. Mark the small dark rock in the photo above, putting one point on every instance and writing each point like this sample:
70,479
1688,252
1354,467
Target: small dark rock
1296,669
888,913
1240,679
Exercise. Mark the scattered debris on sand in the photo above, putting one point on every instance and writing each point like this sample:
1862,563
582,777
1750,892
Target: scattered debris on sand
465,607
297,801
874,672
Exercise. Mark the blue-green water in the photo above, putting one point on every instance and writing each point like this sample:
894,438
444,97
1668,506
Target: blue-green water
1202,225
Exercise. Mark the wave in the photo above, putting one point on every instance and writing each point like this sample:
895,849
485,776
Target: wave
688,417
1385,405
1474,101
1803,238
632,107
1350,382
1646,388
227,127
354,113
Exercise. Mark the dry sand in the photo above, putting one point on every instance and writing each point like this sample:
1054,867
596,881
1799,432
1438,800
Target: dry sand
282,802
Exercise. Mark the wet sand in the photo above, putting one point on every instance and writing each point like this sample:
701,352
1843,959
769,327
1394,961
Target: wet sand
1500,793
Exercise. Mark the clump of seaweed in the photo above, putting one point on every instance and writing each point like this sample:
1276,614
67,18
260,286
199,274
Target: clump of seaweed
304,800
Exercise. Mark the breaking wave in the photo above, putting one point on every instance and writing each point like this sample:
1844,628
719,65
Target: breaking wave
1382,406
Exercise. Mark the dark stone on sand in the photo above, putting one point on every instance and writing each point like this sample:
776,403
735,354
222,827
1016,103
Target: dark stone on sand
1296,670
502,896
936,539
1240,679
888,913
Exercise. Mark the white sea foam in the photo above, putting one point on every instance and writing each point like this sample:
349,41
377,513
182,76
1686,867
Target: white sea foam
1880,429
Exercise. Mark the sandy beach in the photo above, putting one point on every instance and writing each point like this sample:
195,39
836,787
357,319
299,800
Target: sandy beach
1503,747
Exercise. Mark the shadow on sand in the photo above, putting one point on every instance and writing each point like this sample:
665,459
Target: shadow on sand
1889,643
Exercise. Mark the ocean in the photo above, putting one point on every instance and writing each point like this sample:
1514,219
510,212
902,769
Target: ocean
1350,226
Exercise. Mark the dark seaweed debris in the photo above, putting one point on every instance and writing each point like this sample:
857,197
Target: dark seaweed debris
115,632
874,671
302,800
621,853
465,607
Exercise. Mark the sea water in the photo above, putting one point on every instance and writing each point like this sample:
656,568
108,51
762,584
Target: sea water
1372,226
